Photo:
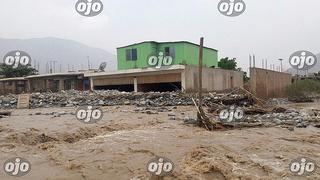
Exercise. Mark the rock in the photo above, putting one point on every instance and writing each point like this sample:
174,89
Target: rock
101,102
189,120
302,125
126,103
290,128
38,113
277,121
151,112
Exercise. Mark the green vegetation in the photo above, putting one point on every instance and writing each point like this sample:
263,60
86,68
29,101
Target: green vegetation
20,71
303,89
231,64
226,63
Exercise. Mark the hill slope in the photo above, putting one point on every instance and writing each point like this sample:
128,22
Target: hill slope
65,52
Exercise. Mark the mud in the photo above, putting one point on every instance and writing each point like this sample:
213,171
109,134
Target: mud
122,143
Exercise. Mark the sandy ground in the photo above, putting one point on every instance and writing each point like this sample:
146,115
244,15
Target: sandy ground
122,143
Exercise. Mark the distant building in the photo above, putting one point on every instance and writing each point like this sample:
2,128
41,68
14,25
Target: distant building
13,85
57,82
183,53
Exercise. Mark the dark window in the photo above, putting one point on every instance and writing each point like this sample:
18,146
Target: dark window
170,51
131,54
134,54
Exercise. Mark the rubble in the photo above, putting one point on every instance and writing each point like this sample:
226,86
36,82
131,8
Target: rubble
156,102
74,98
279,116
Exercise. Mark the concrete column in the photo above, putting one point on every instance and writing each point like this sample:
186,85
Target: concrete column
135,84
91,84
61,84
183,81
28,86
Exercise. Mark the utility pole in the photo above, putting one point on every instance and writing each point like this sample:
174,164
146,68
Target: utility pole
200,76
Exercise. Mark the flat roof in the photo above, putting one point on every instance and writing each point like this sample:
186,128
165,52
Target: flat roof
13,79
166,42
56,74
137,71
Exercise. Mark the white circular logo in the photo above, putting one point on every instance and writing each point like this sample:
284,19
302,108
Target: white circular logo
303,60
160,166
231,8
158,61
17,58
89,8
89,114
302,166
232,114
17,166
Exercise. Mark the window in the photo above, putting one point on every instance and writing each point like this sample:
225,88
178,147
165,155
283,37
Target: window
131,54
170,51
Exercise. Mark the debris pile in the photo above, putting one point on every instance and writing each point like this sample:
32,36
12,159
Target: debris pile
74,98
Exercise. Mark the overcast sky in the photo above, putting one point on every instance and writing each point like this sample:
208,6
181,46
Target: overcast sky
271,29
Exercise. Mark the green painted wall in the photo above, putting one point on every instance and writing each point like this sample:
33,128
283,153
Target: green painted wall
185,53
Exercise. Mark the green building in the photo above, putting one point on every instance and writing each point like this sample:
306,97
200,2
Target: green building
182,52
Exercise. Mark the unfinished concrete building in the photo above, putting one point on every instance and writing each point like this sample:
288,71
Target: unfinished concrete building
176,77
58,82
13,85
136,74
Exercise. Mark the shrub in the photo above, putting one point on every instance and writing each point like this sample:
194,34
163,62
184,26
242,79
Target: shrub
303,90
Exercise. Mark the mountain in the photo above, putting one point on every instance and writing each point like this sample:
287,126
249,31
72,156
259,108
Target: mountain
315,69
64,52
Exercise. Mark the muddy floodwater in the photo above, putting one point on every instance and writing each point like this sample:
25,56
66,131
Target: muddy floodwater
121,144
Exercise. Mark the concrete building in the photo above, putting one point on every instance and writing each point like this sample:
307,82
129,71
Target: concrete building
58,82
176,77
136,74
182,52
13,85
